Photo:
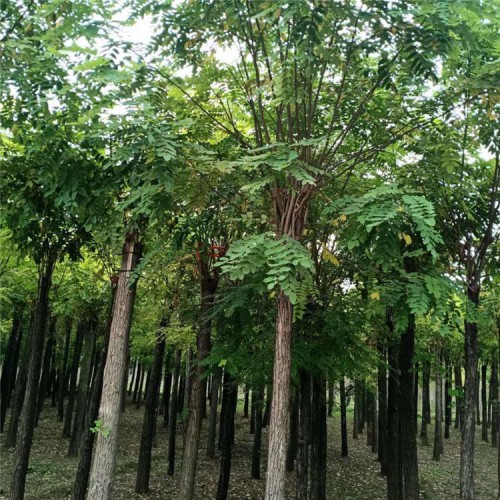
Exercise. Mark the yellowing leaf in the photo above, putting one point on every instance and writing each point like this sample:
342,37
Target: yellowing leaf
407,238
375,296
343,217
330,257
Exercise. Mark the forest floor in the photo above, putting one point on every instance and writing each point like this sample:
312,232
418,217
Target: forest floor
51,472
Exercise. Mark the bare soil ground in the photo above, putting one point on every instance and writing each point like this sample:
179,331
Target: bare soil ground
51,472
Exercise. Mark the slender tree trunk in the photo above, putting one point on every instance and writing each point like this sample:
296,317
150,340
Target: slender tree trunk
18,397
132,380
394,479
212,421
227,415
252,414
144,465
83,389
294,422
382,407
407,422
458,398
9,367
447,401
331,398
484,403
74,377
495,403
29,411
63,372
467,487
109,410
304,436
167,388
343,419
197,397
478,392
245,403
87,440
172,425
44,380
257,402
138,382
355,425
438,430
278,429
319,441
267,410
145,375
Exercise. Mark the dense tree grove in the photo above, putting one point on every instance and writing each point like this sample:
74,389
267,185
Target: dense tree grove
254,228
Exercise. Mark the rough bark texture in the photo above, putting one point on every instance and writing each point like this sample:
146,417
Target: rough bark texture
172,424
109,410
83,389
29,411
343,419
467,487
278,431
197,396
144,465
407,422
87,441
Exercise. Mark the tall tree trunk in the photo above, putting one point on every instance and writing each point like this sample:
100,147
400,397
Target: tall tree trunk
19,393
144,375
266,419
459,397
87,441
63,372
319,439
197,397
484,403
138,382
257,402
9,367
167,388
172,425
495,403
44,379
227,415
109,410
74,377
331,398
148,426
83,388
278,429
343,419
212,421
29,411
382,406
438,430
355,424
394,479
467,487
304,436
447,401
293,434
245,403
132,380
407,410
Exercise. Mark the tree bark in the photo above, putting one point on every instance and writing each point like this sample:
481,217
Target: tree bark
148,426
304,436
331,398
467,487
343,419
458,398
87,440
227,416
484,403
245,403
212,421
278,429
63,372
44,379
197,397
74,377
495,404
294,422
447,401
109,411
382,407
172,425
319,439
29,411
9,367
407,410
167,388
83,388
138,382
257,402
438,431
